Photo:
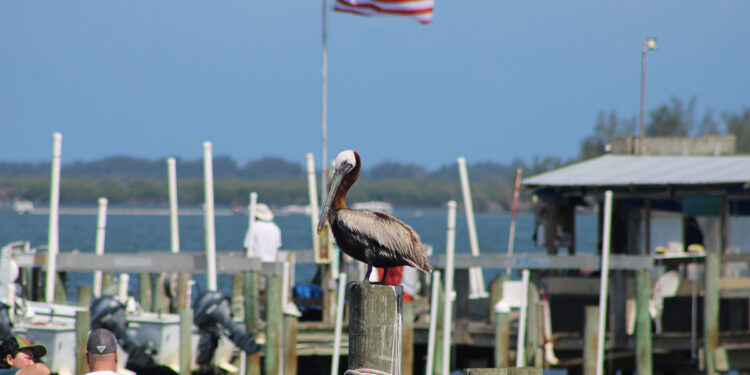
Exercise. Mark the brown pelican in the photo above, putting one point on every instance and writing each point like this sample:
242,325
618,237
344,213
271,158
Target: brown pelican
372,237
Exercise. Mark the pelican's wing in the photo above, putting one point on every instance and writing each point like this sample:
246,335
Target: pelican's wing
385,231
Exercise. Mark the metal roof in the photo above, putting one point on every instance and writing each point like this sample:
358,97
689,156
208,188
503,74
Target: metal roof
625,170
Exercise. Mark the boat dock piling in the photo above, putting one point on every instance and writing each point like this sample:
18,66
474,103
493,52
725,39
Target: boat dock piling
375,327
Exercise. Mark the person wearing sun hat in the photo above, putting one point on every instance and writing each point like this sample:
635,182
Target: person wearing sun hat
266,235
18,356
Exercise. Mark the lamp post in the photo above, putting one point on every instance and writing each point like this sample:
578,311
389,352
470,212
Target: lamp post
648,44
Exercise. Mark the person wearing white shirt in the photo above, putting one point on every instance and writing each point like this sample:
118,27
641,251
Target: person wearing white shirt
266,235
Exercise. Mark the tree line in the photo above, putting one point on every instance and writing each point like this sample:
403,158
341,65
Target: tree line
126,179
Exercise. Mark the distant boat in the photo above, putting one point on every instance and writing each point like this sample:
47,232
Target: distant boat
374,205
295,209
23,206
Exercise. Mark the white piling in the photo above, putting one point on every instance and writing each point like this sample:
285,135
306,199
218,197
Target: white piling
101,228
476,278
433,321
312,192
339,322
521,337
53,239
174,227
251,223
604,285
512,235
122,290
208,180
450,249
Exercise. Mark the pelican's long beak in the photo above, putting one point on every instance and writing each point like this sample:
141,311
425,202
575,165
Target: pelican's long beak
335,182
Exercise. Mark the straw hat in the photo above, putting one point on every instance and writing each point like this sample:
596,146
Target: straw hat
262,212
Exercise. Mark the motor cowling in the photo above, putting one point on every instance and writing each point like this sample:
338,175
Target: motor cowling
107,312
213,315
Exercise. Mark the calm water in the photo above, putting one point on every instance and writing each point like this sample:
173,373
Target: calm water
131,233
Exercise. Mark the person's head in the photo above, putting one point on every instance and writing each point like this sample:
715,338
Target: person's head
262,212
101,350
18,352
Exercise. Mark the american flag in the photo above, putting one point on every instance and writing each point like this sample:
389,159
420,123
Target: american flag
421,10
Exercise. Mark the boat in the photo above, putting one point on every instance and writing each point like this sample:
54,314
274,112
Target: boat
374,205
22,206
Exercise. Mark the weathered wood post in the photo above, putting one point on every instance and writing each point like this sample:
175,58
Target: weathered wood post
291,323
643,346
272,362
407,359
186,341
161,301
252,316
84,296
434,365
146,295
502,334
496,294
590,336
83,319
375,321
711,309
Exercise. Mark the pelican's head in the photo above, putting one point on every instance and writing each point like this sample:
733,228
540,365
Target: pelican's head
345,162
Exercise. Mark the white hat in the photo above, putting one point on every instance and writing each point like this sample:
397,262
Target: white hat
262,212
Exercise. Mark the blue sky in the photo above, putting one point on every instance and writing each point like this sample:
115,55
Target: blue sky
489,80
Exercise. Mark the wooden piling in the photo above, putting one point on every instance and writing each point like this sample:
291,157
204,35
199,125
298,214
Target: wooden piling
496,294
83,318
502,337
60,295
252,317
238,294
84,296
146,294
407,358
533,327
437,360
462,317
590,335
375,321
272,363
290,344
711,309
161,301
183,291
186,341
108,278
643,345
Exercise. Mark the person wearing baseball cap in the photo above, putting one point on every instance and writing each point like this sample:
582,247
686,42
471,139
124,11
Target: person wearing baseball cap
101,352
18,356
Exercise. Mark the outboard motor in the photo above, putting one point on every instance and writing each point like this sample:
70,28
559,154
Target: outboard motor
212,314
107,312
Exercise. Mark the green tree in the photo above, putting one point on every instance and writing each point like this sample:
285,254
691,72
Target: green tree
672,120
739,125
608,126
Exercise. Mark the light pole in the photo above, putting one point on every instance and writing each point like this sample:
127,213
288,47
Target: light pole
648,44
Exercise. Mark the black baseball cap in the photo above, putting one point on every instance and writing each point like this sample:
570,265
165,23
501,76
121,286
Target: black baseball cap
101,341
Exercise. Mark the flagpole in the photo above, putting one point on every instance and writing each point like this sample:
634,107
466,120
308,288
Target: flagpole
324,102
